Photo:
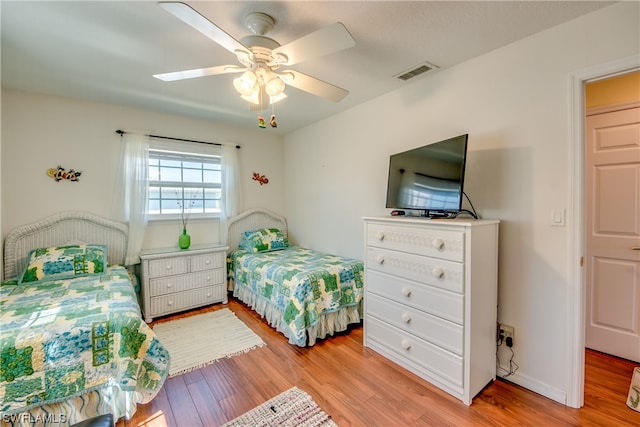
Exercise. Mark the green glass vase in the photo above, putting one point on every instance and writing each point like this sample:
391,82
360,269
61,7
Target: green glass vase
184,240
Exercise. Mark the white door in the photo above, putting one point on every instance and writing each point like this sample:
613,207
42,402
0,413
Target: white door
613,233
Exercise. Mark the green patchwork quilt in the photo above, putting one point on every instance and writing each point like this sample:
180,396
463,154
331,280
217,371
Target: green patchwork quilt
303,284
64,338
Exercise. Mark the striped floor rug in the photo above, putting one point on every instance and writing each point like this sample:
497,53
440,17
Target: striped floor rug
291,408
196,341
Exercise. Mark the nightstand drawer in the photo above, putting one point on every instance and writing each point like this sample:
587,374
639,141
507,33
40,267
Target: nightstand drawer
170,284
182,300
168,267
207,261
440,332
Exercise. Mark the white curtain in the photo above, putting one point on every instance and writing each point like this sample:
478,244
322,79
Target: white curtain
131,192
231,187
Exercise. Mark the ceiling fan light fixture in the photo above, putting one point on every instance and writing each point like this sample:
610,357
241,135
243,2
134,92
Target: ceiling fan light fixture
274,87
259,97
246,83
254,97
277,98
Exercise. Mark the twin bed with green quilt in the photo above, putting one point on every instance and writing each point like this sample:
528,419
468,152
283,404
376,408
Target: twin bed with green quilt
304,294
73,344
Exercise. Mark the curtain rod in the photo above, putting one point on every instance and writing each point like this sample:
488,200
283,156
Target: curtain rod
123,132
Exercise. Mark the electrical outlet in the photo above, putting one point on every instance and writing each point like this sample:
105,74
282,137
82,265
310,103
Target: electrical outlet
505,332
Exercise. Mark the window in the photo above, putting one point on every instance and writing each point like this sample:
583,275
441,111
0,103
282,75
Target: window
185,176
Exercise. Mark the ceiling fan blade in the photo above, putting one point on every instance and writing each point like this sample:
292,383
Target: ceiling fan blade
190,16
313,86
199,72
327,40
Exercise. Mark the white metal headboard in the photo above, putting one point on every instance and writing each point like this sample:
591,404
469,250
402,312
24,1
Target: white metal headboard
252,219
61,229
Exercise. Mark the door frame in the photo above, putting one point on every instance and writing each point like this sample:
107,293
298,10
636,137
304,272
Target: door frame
575,331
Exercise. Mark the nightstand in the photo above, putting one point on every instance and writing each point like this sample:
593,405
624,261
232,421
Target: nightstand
179,279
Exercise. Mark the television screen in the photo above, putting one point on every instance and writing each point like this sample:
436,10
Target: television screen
429,178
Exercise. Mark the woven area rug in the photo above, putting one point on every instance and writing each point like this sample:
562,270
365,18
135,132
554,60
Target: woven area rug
291,408
196,341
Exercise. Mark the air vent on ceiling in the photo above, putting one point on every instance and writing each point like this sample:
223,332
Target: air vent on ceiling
414,72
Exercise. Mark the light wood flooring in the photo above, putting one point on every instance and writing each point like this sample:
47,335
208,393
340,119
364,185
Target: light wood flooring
358,387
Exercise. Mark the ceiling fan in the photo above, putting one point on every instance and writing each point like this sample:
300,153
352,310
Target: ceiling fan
261,57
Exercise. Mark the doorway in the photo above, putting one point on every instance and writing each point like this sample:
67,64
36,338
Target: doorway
577,282
612,206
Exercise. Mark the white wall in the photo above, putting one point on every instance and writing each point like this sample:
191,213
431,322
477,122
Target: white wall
40,132
514,103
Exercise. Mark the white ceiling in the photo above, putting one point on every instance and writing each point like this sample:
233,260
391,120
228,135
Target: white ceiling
107,51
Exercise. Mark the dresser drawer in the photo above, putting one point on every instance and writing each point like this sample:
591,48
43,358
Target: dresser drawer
441,303
432,242
168,267
207,261
170,284
435,272
411,350
440,332
182,300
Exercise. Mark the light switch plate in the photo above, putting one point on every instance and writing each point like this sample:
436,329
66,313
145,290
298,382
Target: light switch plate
558,217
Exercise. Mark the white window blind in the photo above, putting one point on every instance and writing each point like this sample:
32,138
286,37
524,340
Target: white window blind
184,176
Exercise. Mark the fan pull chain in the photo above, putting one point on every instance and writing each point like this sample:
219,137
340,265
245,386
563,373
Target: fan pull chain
272,121
261,123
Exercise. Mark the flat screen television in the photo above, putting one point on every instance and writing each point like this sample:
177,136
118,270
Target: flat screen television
429,179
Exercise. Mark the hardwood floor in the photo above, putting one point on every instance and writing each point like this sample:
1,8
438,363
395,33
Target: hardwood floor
358,387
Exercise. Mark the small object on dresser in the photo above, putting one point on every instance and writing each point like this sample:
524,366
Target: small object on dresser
184,240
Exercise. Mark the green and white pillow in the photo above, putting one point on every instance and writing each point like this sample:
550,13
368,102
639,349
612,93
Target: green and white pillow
64,262
264,240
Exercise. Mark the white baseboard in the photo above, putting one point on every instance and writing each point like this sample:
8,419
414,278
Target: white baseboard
536,386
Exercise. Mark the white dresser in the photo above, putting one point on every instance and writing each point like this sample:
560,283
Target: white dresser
431,298
174,280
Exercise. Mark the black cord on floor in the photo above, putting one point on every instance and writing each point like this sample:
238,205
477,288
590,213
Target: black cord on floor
513,366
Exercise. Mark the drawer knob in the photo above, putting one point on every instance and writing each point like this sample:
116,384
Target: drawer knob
208,295
380,259
406,317
207,262
406,292
168,285
438,272
437,243
170,303
208,278
406,344
168,267
380,236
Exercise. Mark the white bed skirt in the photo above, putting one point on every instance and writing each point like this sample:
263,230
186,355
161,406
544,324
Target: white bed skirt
327,325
